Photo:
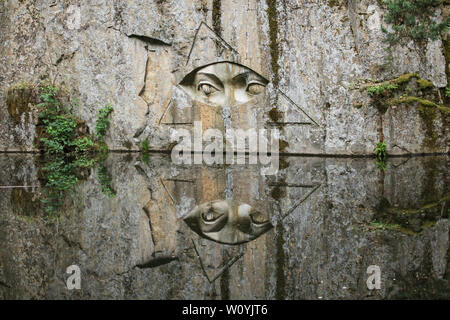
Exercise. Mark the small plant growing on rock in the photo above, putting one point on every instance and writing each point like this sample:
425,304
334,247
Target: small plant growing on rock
104,178
69,149
144,145
102,123
381,88
63,132
381,154
380,151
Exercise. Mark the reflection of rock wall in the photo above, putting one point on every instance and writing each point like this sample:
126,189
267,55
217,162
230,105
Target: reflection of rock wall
136,245
133,54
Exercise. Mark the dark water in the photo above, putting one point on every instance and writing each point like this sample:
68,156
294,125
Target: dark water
143,228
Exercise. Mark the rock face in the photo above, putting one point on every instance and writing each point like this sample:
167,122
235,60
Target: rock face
329,220
134,55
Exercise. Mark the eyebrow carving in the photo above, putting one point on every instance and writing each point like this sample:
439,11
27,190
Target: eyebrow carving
249,76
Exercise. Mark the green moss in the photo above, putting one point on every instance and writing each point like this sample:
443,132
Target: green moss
384,226
70,151
273,36
429,197
444,110
411,221
426,206
18,99
63,133
425,84
275,115
105,181
380,151
427,111
381,88
102,123
24,203
332,3
428,116
422,102
384,93
404,78
216,17
401,91
145,145
446,45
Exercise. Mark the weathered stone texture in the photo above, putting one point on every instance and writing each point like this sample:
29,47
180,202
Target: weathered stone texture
137,246
133,54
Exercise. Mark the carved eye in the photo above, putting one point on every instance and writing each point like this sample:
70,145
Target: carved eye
258,218
211,215
255,88
206,88
214,211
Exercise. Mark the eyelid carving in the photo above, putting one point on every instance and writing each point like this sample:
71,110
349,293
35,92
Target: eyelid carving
255,87
204,82
207,88
256,82
210,78
258,218
224,83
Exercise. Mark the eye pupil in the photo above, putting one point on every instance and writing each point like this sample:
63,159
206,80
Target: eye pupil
255,88
206,89
211,215
258,218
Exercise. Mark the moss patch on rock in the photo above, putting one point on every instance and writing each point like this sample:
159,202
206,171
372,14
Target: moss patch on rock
216,17
273,36
411,221
422,102
275,115
25,203
283,145
19,97
425,84
411,90
428,111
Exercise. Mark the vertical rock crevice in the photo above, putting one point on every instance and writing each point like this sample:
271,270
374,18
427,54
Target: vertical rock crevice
272,17
216,17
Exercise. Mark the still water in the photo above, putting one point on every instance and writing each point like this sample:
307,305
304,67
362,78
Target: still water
144,228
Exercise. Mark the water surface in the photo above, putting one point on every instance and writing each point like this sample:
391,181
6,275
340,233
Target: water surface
144,228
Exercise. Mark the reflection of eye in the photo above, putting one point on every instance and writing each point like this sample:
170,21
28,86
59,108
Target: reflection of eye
211,215
206,88
255,88
258,218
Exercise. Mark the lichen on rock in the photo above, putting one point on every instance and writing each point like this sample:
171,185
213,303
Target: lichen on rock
19,99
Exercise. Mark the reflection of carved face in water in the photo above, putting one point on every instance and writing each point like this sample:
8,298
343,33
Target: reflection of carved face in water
225,222
224,84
